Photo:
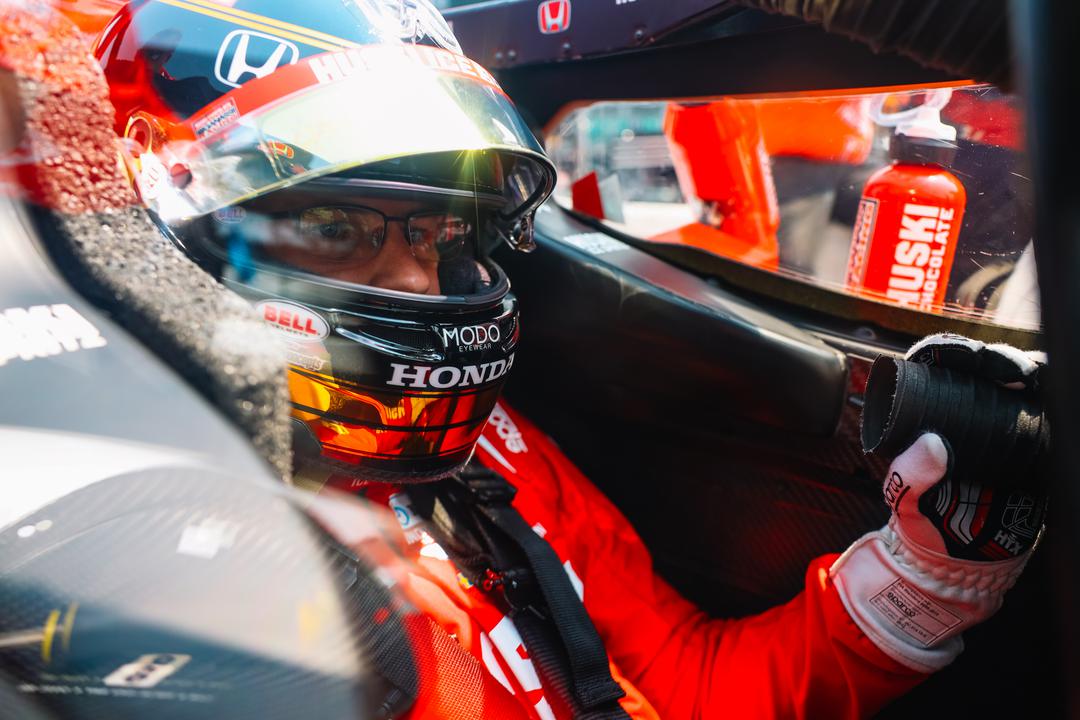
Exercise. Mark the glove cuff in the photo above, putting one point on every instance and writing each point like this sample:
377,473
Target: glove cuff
965,581
914,603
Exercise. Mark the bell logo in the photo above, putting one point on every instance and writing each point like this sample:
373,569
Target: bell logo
246,53
554,16
295,321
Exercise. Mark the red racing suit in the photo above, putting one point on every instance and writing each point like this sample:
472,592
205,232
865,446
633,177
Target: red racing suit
805,658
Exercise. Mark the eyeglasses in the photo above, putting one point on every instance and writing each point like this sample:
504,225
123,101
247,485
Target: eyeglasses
339,233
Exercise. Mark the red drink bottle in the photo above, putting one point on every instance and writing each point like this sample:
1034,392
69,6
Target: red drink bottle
909,217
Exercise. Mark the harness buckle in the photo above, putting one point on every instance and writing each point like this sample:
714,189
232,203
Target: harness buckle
517,588
486,486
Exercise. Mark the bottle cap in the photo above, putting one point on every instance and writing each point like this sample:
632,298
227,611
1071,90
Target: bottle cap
921,137
914,150
925,122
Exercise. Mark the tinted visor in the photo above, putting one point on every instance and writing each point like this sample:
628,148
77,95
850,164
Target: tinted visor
358,235
335,233
428,430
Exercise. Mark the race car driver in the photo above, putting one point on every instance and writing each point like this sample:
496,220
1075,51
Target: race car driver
344,167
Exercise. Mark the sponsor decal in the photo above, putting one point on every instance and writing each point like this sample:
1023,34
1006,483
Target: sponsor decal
470,338
488,447
393,412
511,647
1009,542
282,149
553,16
236,58
230,215
895,489
207,539
218,117
506,430
295,321
1021,516
448,376
45,330
487,654
146,671
917,260
864,231
402,507
308,362
153,176
411,523
913,613
331,67
963,512
594,243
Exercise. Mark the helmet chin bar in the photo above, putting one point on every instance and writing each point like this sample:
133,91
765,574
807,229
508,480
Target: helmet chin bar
310,465
343,476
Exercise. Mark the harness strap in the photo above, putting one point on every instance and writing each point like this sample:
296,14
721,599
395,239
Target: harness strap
557,631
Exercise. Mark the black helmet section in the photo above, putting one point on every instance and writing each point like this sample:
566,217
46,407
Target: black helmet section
188,594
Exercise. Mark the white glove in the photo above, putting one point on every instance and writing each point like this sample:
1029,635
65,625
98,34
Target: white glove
901,584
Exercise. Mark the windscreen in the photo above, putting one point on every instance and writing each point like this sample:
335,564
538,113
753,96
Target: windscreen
917,199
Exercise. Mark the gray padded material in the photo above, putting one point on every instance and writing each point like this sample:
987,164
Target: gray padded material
110,251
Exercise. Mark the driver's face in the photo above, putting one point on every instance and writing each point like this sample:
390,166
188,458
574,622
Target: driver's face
394,266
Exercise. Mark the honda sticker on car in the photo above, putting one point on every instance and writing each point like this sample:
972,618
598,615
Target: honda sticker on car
554,16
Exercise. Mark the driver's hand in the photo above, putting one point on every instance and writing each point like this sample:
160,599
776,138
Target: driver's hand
951,549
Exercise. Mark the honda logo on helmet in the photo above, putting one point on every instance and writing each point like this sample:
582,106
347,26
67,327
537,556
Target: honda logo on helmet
246,54
554,16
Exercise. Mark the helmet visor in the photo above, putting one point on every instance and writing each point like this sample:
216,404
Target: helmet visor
331,240
335,112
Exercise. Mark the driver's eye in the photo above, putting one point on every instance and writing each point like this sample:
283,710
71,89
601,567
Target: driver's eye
333,231
329,233
326,223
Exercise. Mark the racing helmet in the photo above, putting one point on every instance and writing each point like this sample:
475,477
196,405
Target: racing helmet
292,150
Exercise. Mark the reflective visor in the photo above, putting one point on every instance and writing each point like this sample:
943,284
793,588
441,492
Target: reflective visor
355,424
334,112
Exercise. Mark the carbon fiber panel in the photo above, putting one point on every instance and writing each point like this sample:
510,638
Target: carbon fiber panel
741,514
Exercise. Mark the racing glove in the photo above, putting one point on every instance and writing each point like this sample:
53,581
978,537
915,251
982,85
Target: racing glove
952,548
